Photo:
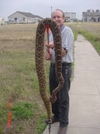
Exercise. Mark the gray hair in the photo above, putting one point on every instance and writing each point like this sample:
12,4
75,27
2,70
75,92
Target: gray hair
63,15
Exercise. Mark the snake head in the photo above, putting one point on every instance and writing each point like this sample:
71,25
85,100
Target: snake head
53,99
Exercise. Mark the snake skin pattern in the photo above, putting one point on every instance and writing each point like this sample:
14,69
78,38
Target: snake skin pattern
39,59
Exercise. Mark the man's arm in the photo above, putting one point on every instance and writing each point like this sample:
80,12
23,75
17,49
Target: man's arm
64,52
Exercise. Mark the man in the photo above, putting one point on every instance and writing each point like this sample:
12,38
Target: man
60,108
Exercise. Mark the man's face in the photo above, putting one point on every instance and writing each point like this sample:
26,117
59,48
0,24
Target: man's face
58,17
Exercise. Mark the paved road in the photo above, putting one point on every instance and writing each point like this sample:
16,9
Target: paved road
84,113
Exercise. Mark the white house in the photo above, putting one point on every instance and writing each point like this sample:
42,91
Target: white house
70,16
2,21
91,16
23,17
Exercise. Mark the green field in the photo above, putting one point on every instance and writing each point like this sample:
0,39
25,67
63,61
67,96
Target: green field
18,79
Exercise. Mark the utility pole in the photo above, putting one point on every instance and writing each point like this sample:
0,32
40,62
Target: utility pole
51,9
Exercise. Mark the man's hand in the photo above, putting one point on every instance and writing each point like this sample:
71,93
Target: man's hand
47,56
50,45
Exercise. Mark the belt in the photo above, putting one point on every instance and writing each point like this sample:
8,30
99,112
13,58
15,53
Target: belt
63,64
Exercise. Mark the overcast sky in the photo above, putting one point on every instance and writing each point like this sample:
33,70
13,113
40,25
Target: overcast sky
43,7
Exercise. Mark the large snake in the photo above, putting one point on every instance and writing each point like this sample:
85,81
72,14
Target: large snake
39,59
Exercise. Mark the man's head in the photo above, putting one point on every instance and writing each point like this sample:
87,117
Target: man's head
58,16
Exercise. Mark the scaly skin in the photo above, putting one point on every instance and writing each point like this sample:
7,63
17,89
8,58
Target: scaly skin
39,59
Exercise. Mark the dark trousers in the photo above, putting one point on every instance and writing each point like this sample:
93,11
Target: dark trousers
60,108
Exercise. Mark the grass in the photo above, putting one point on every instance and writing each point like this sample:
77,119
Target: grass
94,39
18,81
91,31
23,110
41,124
18,78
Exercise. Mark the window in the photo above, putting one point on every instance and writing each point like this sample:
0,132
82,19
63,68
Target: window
99,19
15,19
23,19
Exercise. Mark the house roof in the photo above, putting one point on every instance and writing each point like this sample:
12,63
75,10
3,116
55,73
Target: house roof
27,14
91,13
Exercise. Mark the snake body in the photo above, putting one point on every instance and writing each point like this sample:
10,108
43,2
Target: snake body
39,59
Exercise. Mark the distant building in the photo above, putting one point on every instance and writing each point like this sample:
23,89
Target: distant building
70,16
2,21
91,16
23,17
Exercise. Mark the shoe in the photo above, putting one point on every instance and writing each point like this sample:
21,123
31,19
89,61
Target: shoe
53,120
62,130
